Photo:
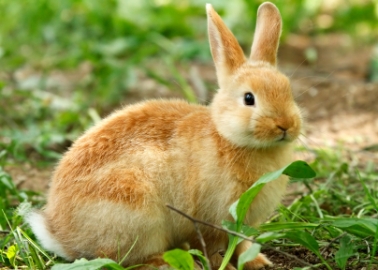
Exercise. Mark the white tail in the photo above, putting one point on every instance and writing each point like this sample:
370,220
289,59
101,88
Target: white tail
37,223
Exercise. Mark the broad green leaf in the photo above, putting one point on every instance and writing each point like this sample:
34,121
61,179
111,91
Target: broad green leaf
179,259
297,169
357,226
238,209
84,264
11,254
305,239
248,255
345,251
200,256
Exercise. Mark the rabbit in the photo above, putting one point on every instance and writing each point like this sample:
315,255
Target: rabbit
109,192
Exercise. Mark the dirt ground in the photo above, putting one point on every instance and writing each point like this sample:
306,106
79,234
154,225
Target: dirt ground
339,103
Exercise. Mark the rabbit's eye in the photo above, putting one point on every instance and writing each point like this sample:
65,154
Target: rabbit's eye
249,99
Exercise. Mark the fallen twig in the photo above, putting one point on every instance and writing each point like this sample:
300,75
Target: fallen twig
195,221
211,225
331,242
288,255
200,237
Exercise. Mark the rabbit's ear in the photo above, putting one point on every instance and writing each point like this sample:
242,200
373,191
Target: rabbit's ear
267,34
225,49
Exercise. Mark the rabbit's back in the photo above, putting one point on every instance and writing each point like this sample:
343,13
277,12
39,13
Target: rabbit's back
130,145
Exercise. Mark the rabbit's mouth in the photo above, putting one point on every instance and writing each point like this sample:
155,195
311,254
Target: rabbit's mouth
283,134
283,137
286,136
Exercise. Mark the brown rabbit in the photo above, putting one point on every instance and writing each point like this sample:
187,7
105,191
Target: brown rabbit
111,188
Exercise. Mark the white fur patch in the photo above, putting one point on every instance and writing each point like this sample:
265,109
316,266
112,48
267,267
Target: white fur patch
37,223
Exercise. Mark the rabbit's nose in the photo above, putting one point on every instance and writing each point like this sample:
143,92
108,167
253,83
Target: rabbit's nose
282,128
283,123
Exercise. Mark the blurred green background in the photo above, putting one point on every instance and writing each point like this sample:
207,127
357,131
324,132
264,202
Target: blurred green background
99,49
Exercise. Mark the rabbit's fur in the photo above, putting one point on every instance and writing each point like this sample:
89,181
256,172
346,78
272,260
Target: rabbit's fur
111,188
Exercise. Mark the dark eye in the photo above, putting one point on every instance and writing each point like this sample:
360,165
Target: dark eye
249,99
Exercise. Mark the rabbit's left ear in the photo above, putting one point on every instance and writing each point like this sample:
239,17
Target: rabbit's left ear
225,49
267,34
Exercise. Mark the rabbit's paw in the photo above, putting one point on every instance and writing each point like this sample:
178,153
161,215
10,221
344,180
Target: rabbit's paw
154,262
259,262
216,261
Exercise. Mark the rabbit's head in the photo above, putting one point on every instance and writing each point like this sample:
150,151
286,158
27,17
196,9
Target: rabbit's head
254,106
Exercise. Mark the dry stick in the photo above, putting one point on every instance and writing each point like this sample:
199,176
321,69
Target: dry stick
203,244
195,221
331,242
210,224
288,255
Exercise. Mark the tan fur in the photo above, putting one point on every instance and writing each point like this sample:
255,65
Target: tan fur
111,188
267,34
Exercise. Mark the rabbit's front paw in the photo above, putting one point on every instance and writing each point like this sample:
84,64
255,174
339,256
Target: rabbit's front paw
259,262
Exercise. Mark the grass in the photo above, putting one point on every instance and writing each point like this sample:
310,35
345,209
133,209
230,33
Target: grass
69,62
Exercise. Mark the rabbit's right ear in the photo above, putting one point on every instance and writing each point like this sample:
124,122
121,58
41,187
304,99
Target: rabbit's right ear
267,34
225,49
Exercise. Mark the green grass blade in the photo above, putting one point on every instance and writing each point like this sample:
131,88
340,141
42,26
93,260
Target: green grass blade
374,248
367,192
35,258
232,243
345,251
279,226
372,201
269,236
128,252
317,206
34,244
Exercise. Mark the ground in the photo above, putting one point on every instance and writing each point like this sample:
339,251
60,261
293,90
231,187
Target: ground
332,89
